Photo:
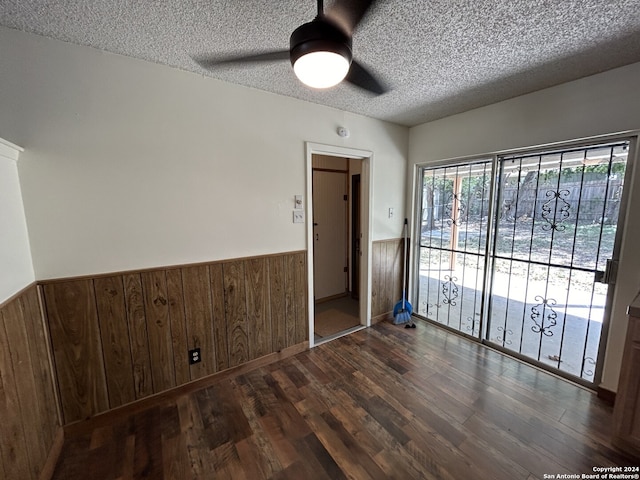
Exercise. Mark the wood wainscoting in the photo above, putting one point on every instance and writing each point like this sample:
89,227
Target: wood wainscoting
122,337
386,288
29,420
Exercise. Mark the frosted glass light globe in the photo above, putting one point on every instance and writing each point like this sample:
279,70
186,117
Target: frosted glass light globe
321,69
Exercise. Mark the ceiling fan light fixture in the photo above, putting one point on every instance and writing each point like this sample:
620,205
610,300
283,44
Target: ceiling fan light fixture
320,53
321,69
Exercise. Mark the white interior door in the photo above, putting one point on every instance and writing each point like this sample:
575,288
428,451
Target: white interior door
329,233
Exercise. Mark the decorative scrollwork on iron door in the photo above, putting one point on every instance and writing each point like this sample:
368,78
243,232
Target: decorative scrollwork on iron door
430,307
556,210
455,216
503,337
544,316
450,290
473,325
588,366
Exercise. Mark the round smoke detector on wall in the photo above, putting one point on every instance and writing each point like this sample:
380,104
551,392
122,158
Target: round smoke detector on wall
343,132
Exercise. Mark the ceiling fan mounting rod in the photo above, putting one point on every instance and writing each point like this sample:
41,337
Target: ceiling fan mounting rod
320,8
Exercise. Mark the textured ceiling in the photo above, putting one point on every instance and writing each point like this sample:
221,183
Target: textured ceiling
440,57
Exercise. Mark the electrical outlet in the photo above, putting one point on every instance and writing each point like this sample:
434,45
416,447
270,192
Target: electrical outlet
194,356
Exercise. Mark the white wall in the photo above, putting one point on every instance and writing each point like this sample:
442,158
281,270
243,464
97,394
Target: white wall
16,268
128,164
602,104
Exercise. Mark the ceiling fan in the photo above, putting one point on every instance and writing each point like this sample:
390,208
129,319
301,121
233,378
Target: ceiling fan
320,51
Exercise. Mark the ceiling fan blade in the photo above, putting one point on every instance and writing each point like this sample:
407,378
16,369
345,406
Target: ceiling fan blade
211,61
361,77
348,13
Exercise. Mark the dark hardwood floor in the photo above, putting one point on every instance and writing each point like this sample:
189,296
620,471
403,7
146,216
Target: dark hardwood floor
385,402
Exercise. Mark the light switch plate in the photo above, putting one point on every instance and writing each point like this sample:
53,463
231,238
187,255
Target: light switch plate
298,216
298,202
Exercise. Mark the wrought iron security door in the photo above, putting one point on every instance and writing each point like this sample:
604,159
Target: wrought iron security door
453,243
555,230
530,275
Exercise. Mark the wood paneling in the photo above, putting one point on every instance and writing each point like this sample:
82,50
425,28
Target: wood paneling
122,337
156,305
290,300
46,411
136,317
197,306
258,312
386,288
235,308
178,325
75,335
114,333
28,412
15,457
300,297
219,321
277,304
289,295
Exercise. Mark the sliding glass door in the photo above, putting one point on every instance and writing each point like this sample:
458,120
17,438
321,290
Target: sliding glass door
552,256
519,252
453,244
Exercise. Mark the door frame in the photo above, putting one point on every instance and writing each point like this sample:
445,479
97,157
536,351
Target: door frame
366,156
355,223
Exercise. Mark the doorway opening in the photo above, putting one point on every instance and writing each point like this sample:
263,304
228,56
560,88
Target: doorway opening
363,285
336,240
519,252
